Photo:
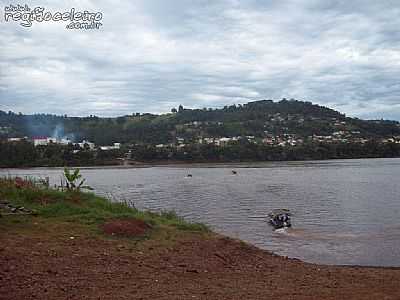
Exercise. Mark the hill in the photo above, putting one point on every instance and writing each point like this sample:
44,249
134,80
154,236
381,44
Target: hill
260,119
256,131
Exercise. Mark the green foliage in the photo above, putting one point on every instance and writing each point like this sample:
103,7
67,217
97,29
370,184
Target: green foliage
85,208
24,154
143,131
252,118
245,151
74,180
235,151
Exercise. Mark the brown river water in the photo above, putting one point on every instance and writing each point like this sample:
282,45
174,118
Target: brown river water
344,211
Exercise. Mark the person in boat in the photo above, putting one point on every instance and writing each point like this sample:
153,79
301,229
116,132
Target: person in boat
282,220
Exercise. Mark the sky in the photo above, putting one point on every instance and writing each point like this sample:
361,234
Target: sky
151,56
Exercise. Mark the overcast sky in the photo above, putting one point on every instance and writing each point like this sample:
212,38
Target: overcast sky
150,56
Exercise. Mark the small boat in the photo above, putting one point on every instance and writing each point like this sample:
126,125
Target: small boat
280,218
234,172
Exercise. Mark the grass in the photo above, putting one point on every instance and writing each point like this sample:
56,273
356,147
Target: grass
82,207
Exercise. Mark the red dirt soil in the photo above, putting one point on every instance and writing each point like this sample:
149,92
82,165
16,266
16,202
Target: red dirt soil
127,228
46,263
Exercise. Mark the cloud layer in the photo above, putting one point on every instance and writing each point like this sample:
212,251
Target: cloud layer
150,56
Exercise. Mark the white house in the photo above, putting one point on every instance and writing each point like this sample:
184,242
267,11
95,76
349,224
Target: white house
65,141
89,144
116,146
16,139
40,141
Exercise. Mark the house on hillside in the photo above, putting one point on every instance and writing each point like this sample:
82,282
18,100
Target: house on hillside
17,139
41,141
88,144
115,146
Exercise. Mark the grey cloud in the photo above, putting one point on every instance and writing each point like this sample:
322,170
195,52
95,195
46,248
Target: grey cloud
150,56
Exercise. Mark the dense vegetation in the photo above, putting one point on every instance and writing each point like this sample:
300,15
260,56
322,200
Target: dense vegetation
180,134
245,151
24,154
254,118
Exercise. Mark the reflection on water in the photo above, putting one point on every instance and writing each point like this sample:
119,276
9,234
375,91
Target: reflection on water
345,211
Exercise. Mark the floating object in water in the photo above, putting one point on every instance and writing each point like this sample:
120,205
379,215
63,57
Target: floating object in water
234,172
189,175
256,217
281,230
280,218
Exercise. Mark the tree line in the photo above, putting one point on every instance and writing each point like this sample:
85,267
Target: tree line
254,118
24,154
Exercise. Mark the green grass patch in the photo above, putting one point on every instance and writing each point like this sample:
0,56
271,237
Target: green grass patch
82,207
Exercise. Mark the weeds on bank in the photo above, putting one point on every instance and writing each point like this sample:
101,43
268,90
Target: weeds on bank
73,181
73,205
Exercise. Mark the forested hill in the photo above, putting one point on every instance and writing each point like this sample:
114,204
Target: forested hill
259,119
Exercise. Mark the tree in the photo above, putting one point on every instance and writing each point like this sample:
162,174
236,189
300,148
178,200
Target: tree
173,110
74,181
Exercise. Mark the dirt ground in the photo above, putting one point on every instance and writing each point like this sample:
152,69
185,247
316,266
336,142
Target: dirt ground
57,262
125,228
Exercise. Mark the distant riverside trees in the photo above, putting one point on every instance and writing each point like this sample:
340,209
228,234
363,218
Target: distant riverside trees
24,154
236,152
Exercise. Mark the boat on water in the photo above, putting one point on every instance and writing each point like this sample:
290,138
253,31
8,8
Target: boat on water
280,218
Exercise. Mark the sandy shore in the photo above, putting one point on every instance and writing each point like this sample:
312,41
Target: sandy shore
63,261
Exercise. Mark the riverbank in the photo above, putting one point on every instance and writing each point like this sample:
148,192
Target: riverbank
232,164
70,245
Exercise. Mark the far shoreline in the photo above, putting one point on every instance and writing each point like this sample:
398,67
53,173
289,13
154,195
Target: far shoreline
210,164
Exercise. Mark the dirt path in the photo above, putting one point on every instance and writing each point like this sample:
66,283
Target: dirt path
55,266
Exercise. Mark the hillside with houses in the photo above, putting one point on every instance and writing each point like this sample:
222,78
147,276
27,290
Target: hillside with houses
260,130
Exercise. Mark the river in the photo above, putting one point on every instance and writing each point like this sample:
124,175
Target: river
344,211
